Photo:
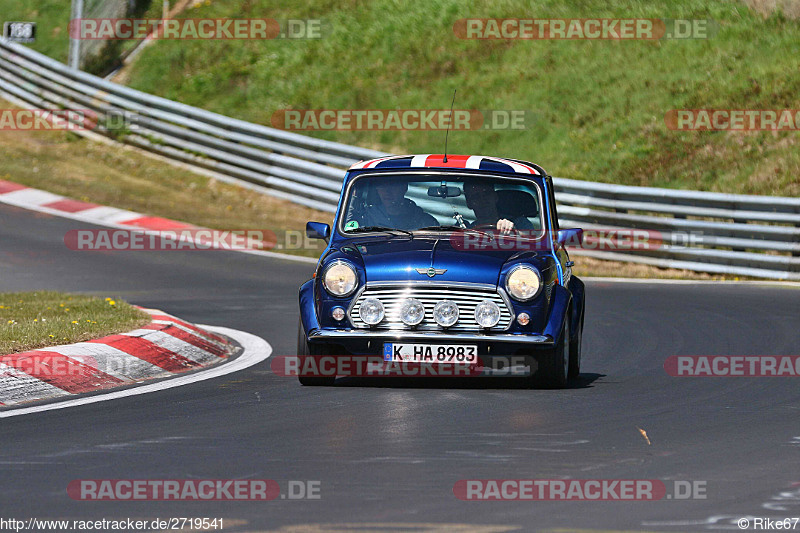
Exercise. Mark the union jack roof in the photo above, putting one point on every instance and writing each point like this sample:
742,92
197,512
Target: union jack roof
477,162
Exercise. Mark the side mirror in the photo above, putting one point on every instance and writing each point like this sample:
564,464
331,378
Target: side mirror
318,230
570,237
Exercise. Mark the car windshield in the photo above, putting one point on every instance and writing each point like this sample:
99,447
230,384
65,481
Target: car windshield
413,202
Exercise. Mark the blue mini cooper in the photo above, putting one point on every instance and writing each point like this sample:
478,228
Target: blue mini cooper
442,259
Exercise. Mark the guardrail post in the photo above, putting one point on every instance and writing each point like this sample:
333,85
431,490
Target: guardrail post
75,42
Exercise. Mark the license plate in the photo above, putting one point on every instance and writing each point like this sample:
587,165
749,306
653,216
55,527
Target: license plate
430,353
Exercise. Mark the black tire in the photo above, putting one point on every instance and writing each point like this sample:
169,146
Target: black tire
575,351
303,349
553,369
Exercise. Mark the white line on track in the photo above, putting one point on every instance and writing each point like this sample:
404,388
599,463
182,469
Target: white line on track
255,350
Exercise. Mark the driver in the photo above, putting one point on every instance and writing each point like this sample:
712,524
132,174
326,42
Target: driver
482,199
395,210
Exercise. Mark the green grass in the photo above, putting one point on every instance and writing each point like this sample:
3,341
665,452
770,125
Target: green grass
598,106
30,320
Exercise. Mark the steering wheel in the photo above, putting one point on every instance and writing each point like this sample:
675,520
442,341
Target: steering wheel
514,230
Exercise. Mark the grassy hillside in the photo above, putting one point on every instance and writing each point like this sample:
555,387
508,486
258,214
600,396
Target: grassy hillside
599,106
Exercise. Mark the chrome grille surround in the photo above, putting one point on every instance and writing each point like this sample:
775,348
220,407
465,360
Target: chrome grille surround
465,295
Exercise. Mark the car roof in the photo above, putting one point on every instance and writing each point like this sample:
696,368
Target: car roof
473,162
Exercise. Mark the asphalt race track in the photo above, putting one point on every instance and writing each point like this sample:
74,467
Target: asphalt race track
389,453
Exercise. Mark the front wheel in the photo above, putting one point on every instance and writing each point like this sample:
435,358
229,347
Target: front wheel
303,350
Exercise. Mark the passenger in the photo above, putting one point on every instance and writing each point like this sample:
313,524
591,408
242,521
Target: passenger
482,199
395,210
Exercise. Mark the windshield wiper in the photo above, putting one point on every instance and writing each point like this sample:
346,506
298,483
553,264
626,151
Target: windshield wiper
395,231
455,228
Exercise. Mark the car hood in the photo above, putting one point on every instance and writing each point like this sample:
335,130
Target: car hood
397,259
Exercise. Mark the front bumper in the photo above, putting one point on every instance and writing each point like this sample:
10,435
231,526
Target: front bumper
368,342
498,354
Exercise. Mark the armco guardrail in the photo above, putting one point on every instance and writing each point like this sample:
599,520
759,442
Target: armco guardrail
709,232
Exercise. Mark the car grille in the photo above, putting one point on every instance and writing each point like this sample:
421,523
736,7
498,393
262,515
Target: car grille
392,299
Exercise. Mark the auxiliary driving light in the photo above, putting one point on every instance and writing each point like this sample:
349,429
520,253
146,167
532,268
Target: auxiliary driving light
445,313
412,312
487,314
371,311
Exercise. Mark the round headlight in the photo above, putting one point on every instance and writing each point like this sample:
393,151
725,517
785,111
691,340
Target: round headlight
412,312
487,314
371,311
340,279
523,283
445,313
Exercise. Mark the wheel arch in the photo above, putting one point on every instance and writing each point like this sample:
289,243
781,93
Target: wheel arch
578,305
